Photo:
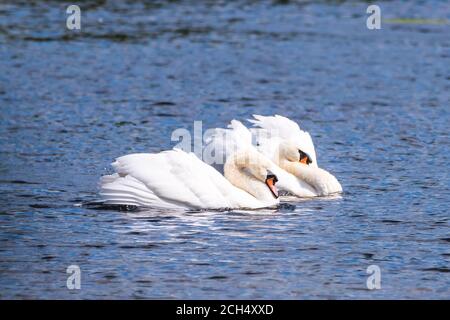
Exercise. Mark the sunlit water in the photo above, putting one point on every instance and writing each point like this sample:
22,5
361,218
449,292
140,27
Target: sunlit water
376,103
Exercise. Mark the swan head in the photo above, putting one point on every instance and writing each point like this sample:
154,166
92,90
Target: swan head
251,171
295,160
291,152
270,182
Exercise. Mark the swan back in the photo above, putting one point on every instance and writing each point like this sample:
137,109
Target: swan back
171,179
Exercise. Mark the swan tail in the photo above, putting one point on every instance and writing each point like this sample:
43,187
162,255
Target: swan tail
127,190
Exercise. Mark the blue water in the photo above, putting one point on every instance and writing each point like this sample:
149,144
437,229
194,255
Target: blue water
377,103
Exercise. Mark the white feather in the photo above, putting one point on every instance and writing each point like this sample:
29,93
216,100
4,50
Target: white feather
226,142
273,129
171,179
238,137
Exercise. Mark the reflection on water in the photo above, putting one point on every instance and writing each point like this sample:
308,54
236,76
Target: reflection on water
376,103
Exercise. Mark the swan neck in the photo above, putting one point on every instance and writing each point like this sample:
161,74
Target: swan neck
304,173
322,181
239,177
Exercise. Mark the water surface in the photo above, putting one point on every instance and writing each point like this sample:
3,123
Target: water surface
375,102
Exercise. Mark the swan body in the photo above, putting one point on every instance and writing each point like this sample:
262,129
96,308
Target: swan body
175,178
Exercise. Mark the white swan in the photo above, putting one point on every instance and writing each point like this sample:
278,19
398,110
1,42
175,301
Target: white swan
175,178
290,149
225,142
293,150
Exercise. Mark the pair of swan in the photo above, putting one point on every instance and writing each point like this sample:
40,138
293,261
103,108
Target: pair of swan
283,157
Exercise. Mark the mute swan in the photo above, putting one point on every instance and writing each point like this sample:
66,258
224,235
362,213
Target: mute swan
224,142
293,150
297,163
290,149
175,178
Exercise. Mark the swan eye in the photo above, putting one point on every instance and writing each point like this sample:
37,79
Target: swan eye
304,158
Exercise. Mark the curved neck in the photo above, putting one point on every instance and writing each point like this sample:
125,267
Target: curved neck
315,177
237,175
293,185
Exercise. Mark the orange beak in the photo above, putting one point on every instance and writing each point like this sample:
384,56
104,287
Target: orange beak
270,182
304,157
304,160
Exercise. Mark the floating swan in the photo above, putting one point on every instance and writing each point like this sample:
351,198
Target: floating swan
292,149
225,142
175,178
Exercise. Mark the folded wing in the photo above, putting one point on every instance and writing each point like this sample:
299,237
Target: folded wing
170,179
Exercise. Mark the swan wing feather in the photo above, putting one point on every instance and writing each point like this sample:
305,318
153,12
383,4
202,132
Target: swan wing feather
224,142
170,178
283,128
